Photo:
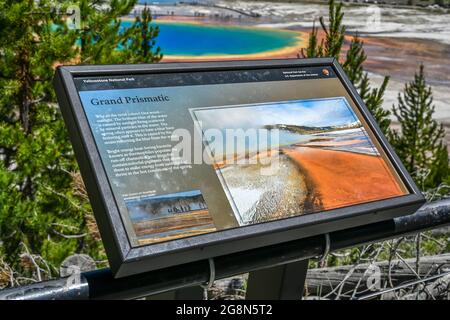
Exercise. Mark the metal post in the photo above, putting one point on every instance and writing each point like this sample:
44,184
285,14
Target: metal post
71,288
188,293
285,282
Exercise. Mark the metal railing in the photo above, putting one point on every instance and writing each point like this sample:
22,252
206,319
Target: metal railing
100,284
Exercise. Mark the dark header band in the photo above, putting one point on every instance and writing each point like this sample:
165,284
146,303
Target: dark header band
201,78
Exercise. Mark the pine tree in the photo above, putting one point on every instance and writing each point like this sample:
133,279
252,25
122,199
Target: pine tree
139,43
331,46
36,212
335,32
419,143
103,40
100,32
314,49
44,216
372,97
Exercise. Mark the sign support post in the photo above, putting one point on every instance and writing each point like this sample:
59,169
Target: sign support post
282,282
188,293
285,282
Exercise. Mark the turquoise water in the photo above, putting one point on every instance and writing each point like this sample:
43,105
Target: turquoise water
196,40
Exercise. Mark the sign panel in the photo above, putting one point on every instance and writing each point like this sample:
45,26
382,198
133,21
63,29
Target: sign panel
189,161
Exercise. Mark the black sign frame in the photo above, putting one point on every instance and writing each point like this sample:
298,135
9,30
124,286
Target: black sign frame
126,260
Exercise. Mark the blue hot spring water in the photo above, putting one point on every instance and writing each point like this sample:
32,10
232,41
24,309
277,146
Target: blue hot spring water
177,38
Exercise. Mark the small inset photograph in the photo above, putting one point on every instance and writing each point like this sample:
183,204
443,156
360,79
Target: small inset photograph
170,216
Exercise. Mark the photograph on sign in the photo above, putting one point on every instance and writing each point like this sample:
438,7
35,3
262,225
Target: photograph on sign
168,217
322,150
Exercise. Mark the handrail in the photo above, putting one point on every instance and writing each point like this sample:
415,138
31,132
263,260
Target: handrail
100,284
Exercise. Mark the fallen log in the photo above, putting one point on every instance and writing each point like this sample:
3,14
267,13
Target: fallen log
436,290
351,281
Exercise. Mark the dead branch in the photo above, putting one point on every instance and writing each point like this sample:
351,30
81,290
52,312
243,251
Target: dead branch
325,281
436,290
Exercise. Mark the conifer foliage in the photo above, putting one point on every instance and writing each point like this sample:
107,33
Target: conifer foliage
419,143
43,216
140,40
103,40
35,156
99,33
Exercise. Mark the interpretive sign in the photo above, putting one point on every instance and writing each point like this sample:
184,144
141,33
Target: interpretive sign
189,161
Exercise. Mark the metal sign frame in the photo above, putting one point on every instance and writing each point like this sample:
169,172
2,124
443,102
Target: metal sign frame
126,260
